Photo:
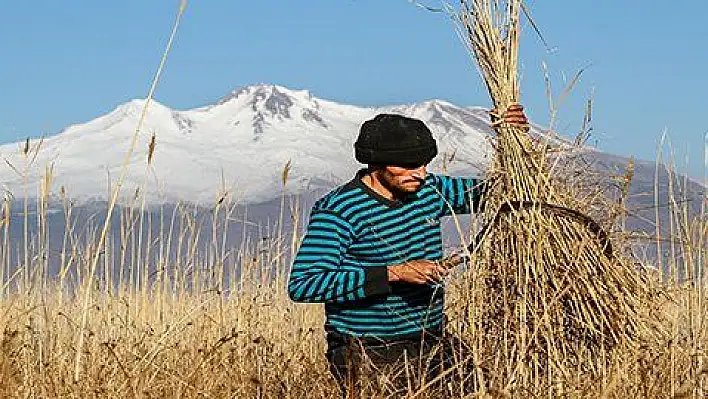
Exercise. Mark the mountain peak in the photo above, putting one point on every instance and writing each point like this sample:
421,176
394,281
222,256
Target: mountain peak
264,91
270,104
271,100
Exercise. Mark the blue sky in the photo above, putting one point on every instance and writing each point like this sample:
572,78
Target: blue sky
645,61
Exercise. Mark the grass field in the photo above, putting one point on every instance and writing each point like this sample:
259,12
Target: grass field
179,328
120,312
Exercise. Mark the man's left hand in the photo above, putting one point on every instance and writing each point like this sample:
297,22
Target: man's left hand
513,116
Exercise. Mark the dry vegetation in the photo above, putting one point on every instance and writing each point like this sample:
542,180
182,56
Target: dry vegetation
148,309
564,298
187,318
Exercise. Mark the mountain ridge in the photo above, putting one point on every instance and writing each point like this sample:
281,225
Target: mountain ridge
238,145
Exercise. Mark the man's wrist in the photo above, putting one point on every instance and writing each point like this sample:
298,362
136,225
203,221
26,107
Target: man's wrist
376,281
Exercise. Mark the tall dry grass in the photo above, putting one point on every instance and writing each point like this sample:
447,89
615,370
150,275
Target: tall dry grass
171,314
147,306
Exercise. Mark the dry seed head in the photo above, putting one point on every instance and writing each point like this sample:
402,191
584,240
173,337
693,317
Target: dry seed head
286,172
151,149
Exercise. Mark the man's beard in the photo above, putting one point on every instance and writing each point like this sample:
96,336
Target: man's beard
398,191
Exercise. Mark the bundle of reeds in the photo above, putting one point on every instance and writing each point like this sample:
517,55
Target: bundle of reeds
549,295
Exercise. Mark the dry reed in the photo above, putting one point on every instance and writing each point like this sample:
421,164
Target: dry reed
550,297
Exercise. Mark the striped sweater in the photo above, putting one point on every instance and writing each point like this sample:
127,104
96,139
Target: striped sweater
354,234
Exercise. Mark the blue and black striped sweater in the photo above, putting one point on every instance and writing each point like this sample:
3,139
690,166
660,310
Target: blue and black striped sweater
354,234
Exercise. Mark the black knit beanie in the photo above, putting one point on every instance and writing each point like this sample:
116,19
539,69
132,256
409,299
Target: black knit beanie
395,140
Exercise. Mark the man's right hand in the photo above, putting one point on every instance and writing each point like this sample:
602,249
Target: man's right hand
419,271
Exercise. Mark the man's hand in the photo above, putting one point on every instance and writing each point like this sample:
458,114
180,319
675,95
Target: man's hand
419,271
513,116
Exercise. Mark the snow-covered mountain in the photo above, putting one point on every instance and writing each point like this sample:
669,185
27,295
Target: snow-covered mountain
239,145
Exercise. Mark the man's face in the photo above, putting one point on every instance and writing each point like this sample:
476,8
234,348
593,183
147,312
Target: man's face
403,179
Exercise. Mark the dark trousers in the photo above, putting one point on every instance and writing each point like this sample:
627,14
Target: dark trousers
438,364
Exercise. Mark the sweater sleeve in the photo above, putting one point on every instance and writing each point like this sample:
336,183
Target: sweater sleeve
460,195
319,273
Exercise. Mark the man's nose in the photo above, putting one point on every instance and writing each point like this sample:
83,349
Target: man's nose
419,172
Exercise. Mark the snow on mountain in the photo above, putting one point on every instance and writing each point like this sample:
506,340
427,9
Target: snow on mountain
239,144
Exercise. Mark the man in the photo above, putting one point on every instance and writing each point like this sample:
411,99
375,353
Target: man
372,253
